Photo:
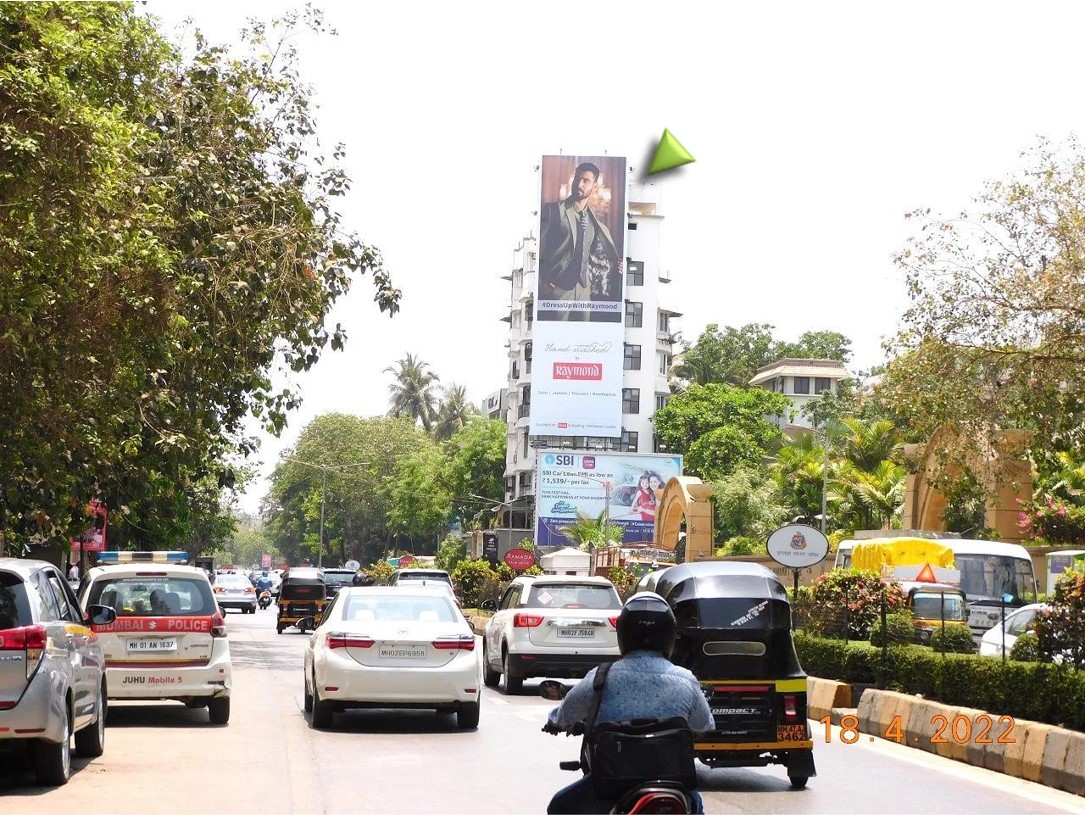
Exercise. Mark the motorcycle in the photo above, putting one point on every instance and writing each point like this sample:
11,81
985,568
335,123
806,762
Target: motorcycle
666,792
265,599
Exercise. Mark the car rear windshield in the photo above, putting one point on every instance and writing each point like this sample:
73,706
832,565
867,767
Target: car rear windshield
14,604
338,578
418,574
154,596
401,609
573,595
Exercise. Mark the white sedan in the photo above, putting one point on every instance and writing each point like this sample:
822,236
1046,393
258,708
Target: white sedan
1018,622
391,647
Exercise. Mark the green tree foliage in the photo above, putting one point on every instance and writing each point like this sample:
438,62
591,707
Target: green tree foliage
816,345
475,470
168,234
451,552
747,505
591,533
719,428
454,412
953,638
476,582
412,394
1060,630
420,501
730,356
899,630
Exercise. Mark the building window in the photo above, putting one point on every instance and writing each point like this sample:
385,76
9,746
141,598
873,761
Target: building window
527,358
802,384
665,322
515,370
529,313
632,357
634,314
525,445
664,363
595,443
632,227
661,401
635,275
822,384
630,400
525,481
778,385
628,443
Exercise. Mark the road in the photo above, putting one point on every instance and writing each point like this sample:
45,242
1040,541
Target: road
163,758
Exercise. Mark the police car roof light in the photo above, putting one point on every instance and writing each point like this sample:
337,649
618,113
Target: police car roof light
113,557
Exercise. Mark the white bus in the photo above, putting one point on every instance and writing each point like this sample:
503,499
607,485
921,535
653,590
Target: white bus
989,571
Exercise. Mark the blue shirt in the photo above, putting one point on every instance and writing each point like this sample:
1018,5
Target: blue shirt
641,685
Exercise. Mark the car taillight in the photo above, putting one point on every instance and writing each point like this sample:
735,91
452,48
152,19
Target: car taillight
250,590
218,625
348,641
218,590
790,712
613,622
526,620
31,639
465,642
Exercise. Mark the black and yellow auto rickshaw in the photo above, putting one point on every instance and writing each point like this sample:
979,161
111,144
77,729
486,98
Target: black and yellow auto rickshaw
302,594
734,634
934,605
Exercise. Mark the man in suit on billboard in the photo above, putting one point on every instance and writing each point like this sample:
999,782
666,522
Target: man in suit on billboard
578,260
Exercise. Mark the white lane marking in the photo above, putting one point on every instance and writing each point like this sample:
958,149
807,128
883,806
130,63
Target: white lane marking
531,717
1012,785
497,701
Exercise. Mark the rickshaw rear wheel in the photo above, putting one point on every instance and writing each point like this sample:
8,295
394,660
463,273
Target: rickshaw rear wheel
798,782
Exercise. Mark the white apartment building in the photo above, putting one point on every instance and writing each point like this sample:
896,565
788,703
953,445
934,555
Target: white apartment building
800,380
651,340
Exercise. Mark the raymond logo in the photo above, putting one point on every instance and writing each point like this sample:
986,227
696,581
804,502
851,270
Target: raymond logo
563,425
588,371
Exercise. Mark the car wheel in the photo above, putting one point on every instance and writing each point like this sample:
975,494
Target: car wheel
798,782
279,628
513,684
490,677
90,741
467,716
53,762
218,709
308,697
322,711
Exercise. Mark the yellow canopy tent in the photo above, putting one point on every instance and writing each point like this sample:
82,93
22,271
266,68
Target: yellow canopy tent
878,553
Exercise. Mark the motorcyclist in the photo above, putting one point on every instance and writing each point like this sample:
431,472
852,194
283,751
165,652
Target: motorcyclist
642,684
264,582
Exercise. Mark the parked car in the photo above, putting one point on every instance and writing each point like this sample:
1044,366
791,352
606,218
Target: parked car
53,681
550,626
235,591
392,647
168,640
1017,624
406,575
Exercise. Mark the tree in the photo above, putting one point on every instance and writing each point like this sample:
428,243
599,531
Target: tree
168,238
730,356
421,505
746,504
592,533
867,445
816,345
719,428
454,412
475,469
412,394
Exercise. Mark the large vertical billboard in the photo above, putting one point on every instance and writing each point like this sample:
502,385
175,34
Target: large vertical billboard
576,383
570,485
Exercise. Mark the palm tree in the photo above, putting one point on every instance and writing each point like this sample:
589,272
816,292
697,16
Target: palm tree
590,533
412,392
881,492
867,445
454,412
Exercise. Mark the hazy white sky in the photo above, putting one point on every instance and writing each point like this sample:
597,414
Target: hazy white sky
815,127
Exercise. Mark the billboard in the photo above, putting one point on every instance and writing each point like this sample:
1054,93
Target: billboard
93,538
574,484
579,321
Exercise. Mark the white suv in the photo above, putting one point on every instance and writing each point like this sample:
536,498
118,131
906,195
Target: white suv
169,638
550,626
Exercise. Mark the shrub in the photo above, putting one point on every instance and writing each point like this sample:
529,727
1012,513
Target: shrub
1060,630
1025,648
476,582
954,638
900,627
381,572
845,602
451,552
624,581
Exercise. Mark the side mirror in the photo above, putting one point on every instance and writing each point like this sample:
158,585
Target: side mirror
488,605
553,690
101,615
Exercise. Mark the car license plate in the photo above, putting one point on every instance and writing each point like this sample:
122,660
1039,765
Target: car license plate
152,645
403,652
576,633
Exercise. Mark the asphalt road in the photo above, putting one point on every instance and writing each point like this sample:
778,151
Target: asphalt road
163,758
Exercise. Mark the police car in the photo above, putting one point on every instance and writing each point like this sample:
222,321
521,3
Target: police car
169,638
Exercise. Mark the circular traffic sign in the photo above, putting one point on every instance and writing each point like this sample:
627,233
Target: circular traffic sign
353,565
798,546
519,559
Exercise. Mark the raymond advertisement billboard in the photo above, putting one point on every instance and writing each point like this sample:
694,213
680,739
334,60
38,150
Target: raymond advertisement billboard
574,484
579,325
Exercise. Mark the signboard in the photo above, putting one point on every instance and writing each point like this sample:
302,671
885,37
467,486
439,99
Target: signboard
798,546
265,561
519,559
489,547
405,561
93,539
574,484
579,327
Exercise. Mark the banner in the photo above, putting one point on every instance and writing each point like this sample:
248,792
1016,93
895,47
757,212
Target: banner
574,485
93,539
579,326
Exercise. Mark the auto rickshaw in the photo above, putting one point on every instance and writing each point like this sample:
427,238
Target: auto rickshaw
303,594
734,634
932,606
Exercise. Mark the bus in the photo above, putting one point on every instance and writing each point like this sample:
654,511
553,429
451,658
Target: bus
992,574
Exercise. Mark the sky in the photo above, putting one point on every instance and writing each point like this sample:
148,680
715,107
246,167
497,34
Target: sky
815,126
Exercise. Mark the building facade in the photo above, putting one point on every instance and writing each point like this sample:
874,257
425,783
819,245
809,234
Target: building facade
650,342
800,380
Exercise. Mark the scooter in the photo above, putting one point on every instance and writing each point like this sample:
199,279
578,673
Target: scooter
264,600
645,797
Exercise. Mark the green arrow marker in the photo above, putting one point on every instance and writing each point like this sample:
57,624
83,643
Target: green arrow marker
669,154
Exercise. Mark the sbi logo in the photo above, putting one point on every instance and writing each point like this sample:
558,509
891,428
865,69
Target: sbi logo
559,461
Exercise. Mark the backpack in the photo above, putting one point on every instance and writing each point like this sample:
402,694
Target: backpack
620,755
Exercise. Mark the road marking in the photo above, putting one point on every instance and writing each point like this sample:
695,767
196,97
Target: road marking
531,717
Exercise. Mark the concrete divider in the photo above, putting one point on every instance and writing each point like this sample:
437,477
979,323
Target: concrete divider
822,695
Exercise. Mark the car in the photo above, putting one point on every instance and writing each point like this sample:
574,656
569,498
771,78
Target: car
557,626
53,682
168,641
436,586
1017,623
335,579
392,647
406,575
235,591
